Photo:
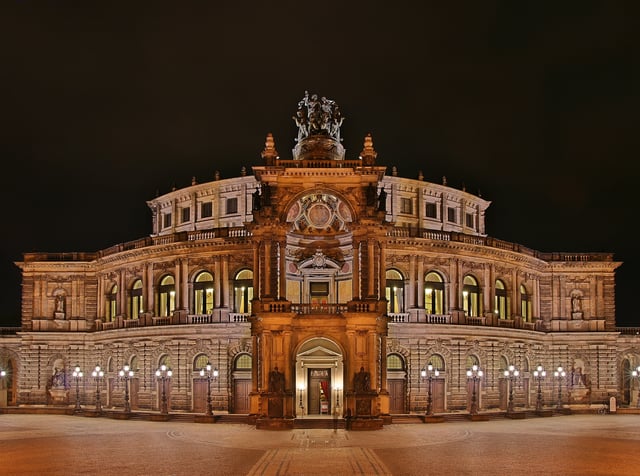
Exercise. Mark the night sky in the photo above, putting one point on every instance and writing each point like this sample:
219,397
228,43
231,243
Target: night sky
532,105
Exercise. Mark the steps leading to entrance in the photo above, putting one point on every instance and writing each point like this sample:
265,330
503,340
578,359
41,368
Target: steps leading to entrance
318,423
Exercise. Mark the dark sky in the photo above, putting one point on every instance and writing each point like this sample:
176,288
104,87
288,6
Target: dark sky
534,105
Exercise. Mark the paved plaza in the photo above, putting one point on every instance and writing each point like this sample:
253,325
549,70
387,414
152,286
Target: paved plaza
560,445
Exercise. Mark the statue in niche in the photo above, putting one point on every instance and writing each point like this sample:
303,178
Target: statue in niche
362,381
382,201
576,303
59,306
57,379
276,381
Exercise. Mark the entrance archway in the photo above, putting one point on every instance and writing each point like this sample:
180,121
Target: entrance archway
319,378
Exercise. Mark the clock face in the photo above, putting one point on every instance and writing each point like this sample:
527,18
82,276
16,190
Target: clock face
319,215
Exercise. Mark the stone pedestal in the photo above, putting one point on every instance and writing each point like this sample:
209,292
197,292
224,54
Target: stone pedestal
59,396
433,419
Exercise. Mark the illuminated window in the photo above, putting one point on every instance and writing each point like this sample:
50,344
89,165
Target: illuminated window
470,296
243,291
525,303
243,362
166,296
136,307
203,293
395,362
112,304
501,302
434,293
394,291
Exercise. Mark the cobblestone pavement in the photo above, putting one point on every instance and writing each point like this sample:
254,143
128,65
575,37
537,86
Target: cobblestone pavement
559,445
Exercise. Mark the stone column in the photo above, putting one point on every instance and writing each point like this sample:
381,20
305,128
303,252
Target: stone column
224,300
355,275
217,286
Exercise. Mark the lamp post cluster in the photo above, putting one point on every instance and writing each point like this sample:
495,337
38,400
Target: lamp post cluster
635,373
429,373
539,373
163,374
560,374
474,374
210,374
511,374
98,374
127,374
77,376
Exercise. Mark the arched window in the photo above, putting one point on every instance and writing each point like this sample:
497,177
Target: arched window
200,362
434,293
437,362
136,304
166,296
525,304
470,296
394,291
112,304
243,362
472,360
395,362
203,293
243,291
501,302
164,360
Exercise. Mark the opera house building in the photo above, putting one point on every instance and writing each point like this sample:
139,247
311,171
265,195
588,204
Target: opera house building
323,285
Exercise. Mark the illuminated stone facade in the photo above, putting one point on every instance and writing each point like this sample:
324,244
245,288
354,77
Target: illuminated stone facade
322,285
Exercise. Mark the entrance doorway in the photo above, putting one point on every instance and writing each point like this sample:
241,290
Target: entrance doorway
319,378
319,392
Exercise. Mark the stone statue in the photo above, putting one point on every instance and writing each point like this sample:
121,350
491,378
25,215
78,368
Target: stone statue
382,201
318,116
276,381
362,381
57,379
576,303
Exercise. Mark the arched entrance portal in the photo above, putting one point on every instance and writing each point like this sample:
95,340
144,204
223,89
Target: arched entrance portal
319,378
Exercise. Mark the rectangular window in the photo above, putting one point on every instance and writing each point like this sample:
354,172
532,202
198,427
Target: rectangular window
431,210
186,215
206,210
319,289
405,206
166,220
232,206
451,215
469,218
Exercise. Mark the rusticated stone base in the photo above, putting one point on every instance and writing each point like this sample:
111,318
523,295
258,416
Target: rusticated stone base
160,417
478,417
366,424
433,419
516,415
204,419
274,424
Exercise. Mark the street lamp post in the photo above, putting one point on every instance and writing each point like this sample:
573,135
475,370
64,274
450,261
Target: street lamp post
163,374
636,374
559,374
126,373
539,373
429,373
210,375
98,374
474,374
77,375
511,374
